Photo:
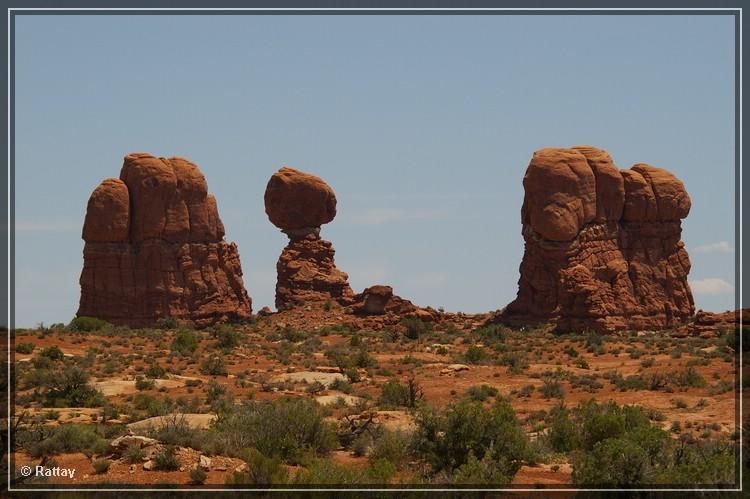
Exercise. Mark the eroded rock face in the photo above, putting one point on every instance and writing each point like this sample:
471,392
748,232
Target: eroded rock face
380,300
602,245
296,200
299,203
155,248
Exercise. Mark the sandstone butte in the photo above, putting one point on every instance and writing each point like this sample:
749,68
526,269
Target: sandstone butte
602,245
154,248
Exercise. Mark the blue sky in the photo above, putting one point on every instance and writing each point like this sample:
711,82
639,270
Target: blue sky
423,125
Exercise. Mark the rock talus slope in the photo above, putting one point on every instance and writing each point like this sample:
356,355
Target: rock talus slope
602,245
154,248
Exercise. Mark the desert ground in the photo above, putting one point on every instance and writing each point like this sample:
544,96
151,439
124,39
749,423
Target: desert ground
85,394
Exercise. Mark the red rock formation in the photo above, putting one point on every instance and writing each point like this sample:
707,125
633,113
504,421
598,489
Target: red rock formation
602,246
299,203
155,248
708,324
380,300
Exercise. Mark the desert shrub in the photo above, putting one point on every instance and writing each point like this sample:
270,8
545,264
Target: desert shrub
134,454
341,385
325,472
84,323
415,327
185,342
25,348
689,378
392,393
485,471
155,371
168,322
570,351
260,470
552,388
476,355
380,471
481,392
101,465
52,353
563,433
287,428
152,405
447,439
166,459
74,437
144,384
392,446
70,388
613,462
516,362
716,469
492,334
214,365
227,337
214,391
197,475
363,359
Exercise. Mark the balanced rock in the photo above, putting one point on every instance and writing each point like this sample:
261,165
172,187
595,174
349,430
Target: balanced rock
602,245
154,248
299,203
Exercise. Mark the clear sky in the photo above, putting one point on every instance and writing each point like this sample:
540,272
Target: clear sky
423,125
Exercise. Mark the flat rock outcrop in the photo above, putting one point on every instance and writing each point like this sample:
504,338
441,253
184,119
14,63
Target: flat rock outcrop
154,248
299,203
602,245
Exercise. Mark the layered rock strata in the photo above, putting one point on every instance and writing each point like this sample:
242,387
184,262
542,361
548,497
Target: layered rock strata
154,248
602,245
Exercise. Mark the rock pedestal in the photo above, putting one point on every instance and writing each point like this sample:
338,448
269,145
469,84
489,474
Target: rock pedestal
154,248
602,245
299,203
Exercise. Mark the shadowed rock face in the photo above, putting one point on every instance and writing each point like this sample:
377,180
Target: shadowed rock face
155,248
602,245
299,203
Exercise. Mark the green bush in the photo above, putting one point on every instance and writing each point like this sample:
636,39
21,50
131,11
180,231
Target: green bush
287,428
260,470
447,440
67,438
168,322
214,365
134,454
485,471
552,389
415,327
155,371
185,342
476,355
166,459
481,392
613,462
392,393
52,353
84,323
25,348
101,465
490,335
227,337
70,388
562,434
325,472
197,475
144,384
391,446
